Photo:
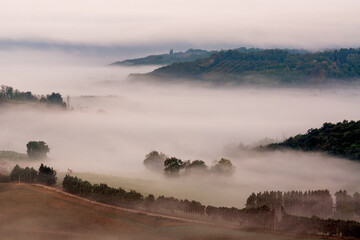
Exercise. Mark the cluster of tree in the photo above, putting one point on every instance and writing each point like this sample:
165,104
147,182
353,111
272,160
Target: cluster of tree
172,166
340,139
309,203
280,65
37,149
45,175
8,94
258,217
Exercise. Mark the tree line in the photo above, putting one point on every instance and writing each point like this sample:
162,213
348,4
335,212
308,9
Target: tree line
172,166
44,175
9,94
339,139
253,216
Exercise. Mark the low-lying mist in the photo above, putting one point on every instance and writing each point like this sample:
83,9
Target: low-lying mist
114,124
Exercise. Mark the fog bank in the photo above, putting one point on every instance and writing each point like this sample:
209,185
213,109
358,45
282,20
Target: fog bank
115,123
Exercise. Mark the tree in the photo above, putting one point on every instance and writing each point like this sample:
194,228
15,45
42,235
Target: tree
172,166
154,161
15,173
37,149
223,167
56,98
47,175
197,166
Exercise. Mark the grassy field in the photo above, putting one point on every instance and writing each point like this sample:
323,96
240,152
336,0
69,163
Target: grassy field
32,212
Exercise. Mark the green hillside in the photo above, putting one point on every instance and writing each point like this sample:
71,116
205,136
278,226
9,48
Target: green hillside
165,59
340,139
274,66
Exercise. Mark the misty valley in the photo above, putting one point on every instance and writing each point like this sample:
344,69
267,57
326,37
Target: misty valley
219,154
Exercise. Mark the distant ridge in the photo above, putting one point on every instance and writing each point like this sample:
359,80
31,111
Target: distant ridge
271,66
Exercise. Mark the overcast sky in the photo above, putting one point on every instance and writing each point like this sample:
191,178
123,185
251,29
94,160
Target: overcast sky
197,23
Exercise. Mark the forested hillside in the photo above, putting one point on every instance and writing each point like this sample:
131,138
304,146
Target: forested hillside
272,66
340,139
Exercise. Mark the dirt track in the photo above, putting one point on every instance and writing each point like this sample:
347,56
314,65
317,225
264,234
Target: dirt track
138,211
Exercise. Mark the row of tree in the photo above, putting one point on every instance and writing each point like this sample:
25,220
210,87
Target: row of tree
299,203
172,166
8,94
168,205
45,175
258,217
309,203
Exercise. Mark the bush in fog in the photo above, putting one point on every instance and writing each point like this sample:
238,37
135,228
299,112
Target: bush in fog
37,149
154,161
223,167
196,167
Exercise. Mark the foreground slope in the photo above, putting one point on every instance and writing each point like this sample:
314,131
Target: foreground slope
33,212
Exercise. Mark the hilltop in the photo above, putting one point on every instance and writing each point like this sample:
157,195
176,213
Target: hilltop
272,66
341,139
166,59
